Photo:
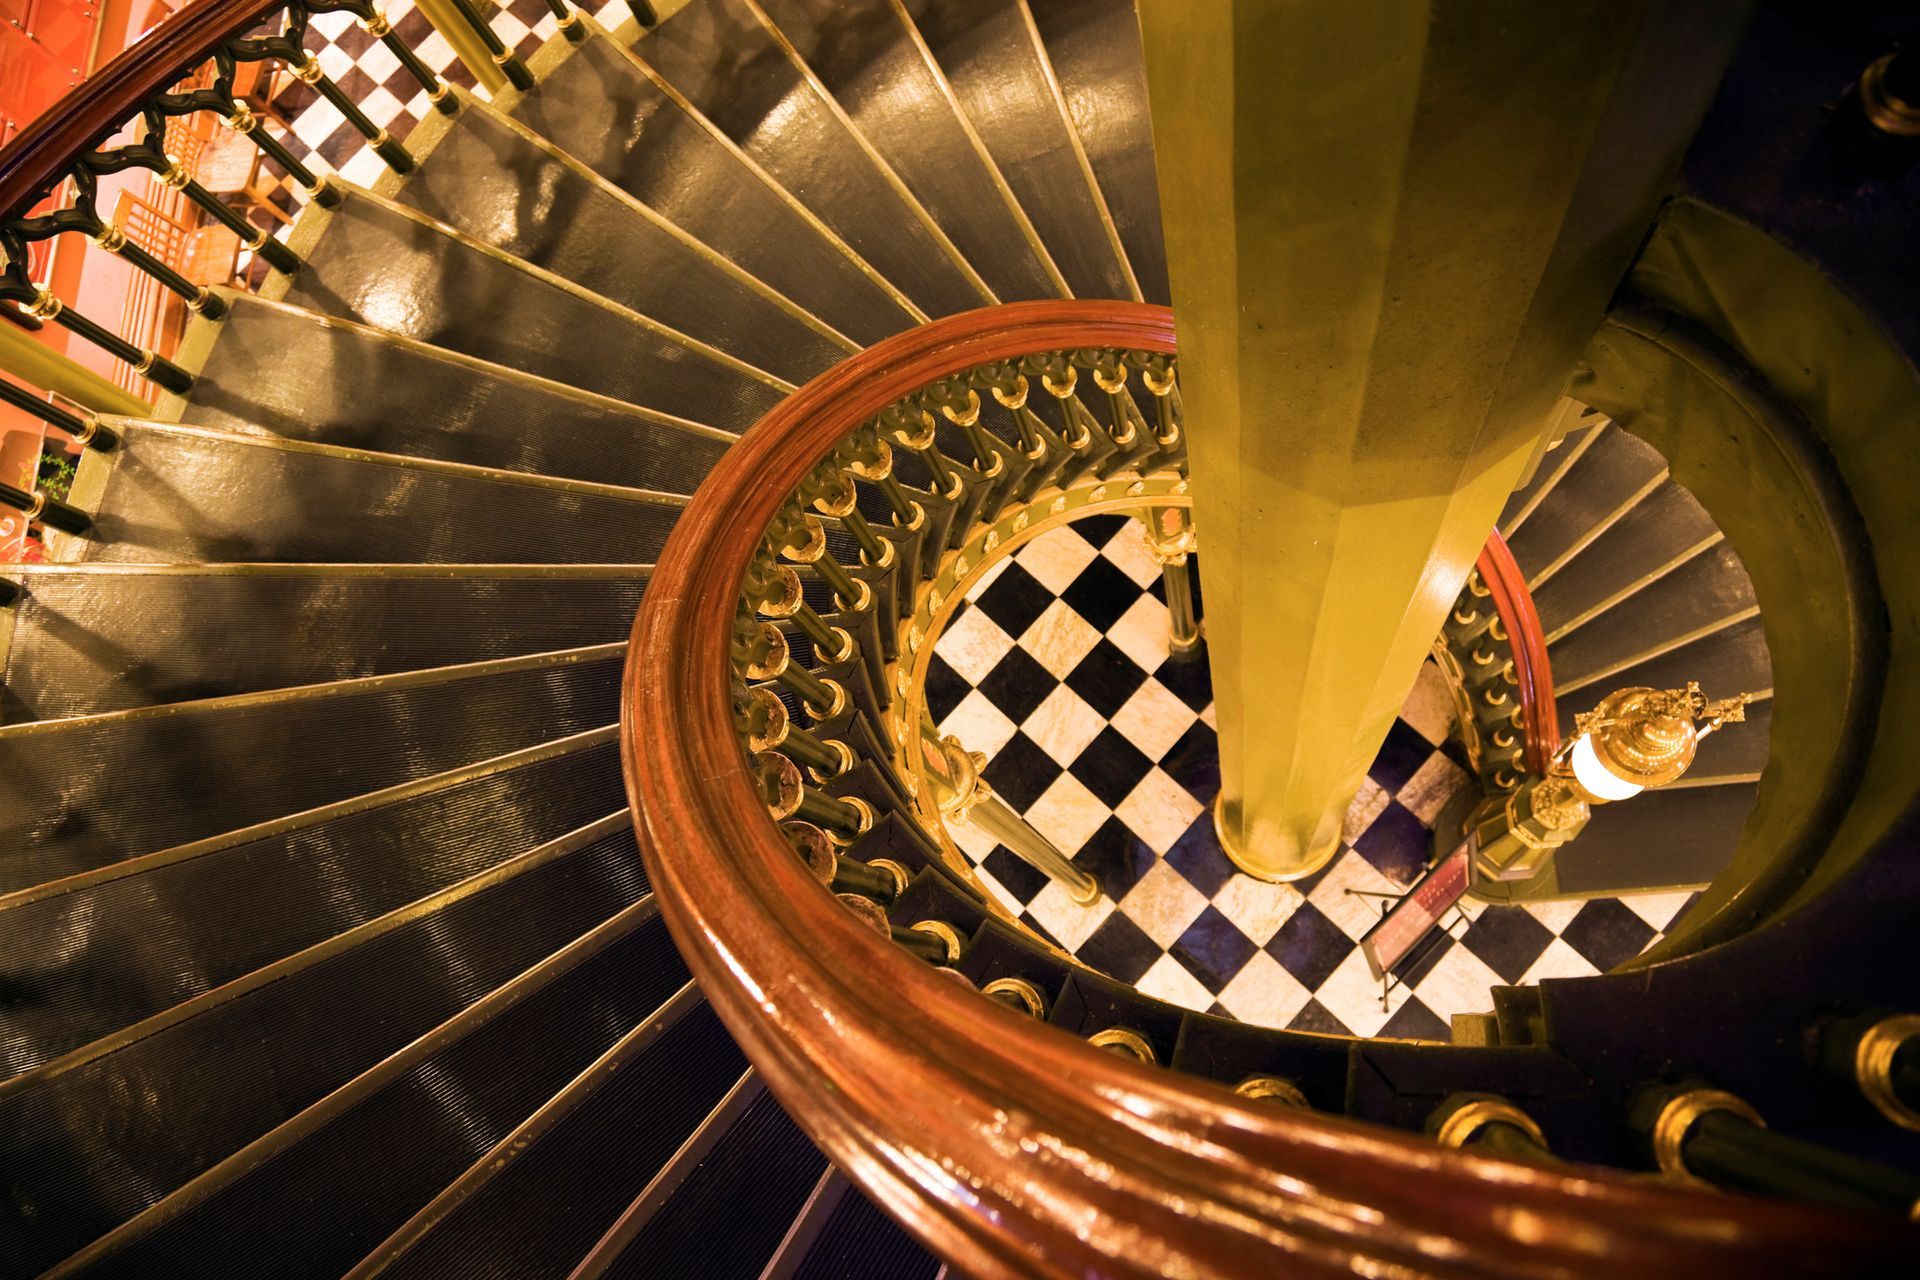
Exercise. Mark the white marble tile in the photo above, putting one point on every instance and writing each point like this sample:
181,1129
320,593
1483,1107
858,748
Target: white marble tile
1159,810
1142,633
363,169
1257,907
1555,915
1059,638
1065,919
1063,724
1153,719
1558,961
1067,814
971,840
972,645
1264,993
1163,904
1352,994
1657,909
1057,557
1429,707
1168,980
1208,718
1459,982
1353,912
1432,785
979,724
1366,806
991,576
1127,549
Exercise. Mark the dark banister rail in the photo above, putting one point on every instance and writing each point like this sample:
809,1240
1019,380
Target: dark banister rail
1514,603
1007,1147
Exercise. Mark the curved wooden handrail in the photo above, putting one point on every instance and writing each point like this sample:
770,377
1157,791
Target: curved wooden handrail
1009,1147
40,156
1534,674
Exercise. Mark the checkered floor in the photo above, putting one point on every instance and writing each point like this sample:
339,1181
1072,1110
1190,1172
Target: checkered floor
1058,668
321,138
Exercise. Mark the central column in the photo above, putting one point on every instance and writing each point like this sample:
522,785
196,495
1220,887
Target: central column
1391,228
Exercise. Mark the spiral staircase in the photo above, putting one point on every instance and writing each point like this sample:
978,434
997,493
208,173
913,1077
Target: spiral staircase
326,940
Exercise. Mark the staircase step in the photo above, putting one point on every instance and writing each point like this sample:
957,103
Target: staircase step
501,183
1552,468
94,953
91,638
663,155
1094,48
80,794
1729,661
172,493
1615,472
386,265
1662,840
739,73
1656,537
848,1237
310,1197
1734,752
538,1201
1708,593
305,376
871,58
993,57
219,1072
688,1221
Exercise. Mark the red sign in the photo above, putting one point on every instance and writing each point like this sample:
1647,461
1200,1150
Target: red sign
1414,916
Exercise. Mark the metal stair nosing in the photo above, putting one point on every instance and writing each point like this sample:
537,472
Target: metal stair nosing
807,1225
319,952
658,1192
526,1135
435,127
317,1115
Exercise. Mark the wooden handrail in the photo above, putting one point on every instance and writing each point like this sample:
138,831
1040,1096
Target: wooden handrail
1534,674
39,157
1009,1147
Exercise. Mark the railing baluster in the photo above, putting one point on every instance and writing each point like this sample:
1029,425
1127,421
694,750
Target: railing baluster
48,511
504,58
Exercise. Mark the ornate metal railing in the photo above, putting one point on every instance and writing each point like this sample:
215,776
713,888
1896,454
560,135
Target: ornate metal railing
1494,653
1008,1147
61,157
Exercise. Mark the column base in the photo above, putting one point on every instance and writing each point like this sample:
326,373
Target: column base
1241,859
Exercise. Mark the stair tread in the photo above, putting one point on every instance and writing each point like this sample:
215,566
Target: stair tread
689,1219
160,931
478,177
92,638
857,1241
869,58
536,1204
172,493
387,266
1094,47
669,161
256,1210
281,368
1730,661
726,61
1616,469
1553,465
1677,839
1665,529
82,793
1711,590
200,1077
992,56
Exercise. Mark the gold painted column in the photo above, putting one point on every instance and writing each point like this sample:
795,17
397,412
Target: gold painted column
1391,228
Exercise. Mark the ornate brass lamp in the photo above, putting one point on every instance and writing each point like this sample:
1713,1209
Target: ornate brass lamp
1635,739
